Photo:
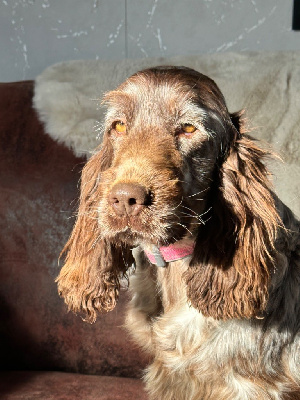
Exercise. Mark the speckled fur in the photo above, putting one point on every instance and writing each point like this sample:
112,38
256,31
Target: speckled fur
223,324
196,357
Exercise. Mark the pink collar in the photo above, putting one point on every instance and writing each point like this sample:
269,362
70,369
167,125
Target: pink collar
177,251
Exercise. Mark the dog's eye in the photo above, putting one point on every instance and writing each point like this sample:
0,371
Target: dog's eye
119,127
188,129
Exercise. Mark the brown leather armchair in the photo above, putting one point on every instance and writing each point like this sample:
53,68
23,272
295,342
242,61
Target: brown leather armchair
45,352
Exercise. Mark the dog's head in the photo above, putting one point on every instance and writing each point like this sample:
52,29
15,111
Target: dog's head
161,129
173,163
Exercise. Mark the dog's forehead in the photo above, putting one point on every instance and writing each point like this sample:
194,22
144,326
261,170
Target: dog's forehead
142,96
169,90
160,87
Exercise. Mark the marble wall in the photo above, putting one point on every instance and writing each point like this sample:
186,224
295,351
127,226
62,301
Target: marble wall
38,33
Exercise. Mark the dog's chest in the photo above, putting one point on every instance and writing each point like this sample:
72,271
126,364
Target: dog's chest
188,347
171,286
180,332
187,339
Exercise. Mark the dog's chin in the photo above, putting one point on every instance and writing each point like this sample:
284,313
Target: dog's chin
128,237
135,231
132,237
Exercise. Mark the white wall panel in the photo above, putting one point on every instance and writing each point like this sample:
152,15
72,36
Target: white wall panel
38,33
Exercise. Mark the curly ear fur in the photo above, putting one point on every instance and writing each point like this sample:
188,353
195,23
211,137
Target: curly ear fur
89,279
230,271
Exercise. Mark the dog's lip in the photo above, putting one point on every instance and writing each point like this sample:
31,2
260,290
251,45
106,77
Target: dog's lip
131,231
145,228
141,237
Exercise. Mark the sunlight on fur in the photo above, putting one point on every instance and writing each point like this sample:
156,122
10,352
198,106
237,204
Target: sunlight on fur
216,288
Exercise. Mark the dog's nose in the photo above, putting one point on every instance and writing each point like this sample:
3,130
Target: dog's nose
128,198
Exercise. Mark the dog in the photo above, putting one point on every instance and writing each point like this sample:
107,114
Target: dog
179,189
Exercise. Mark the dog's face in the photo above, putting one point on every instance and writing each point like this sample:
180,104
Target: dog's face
165,130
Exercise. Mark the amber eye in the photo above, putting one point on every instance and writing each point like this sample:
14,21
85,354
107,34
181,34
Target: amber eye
120,127
188,128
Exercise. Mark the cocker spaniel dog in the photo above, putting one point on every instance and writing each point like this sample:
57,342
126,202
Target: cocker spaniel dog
179,189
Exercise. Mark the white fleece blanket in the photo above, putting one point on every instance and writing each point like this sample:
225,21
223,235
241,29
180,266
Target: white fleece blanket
267,85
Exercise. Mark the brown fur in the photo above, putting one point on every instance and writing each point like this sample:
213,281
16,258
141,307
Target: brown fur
230,271
224,323
89,280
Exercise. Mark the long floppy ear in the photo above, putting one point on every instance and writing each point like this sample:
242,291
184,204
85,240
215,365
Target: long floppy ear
229,274
90,278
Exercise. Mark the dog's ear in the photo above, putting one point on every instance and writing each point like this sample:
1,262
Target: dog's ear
230,271
89,279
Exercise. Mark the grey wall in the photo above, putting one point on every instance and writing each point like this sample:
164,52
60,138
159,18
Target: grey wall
38,33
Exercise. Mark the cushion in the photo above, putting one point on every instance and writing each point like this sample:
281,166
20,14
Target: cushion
24,385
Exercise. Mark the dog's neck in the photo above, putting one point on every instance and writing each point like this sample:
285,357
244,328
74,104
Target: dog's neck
160,256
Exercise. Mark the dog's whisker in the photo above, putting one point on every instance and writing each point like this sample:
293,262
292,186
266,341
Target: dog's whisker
178,223
186,215
191,216
205,212
201,191
195,215
173,209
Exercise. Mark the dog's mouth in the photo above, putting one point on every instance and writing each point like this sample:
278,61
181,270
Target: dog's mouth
144,229
153,224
